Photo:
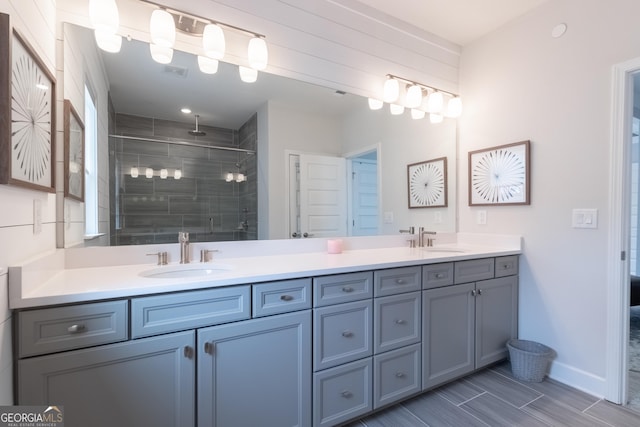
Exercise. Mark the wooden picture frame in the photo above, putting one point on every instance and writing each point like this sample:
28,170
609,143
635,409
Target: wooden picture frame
73,153
27,114
427,183
500,175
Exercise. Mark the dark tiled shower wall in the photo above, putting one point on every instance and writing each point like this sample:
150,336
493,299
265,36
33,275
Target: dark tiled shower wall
202,203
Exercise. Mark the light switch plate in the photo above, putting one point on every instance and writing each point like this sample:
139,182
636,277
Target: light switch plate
37,216
584,218
388,217
481,217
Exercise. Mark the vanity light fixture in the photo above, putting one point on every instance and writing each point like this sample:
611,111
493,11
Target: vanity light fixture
207,65
417,114
162,29
257,53
213,41
105,21
248,75
414,96
396,109
161,54
433,102
165,21
375,104
391,90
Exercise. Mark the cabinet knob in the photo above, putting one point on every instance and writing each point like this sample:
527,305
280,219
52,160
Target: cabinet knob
346,394
400,281
286,297
208,348
473,293
188,352
347,334
439,275
347,289
400,321
479,292
399,374
74,329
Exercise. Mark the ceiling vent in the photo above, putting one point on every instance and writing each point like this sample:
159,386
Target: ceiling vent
176,71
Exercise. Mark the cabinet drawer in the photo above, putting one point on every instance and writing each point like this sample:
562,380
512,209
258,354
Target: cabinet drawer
188,310
281,297
342,393
397,321
507,266
437,275
340,288
64,328
473,270
396,280
396,375
342,333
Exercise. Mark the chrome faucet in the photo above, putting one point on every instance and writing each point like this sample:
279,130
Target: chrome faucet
183,239
421,240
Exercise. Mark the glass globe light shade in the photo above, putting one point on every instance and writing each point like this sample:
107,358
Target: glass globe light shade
213,41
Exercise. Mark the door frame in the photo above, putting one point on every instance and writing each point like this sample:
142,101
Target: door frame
618,288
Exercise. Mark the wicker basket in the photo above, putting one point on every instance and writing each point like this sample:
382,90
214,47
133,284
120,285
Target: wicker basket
529,359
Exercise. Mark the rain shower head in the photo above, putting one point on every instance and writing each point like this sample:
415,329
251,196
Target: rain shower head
196,131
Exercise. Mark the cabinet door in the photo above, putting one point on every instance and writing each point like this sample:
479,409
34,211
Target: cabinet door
256,372
496,318
149,382
447,333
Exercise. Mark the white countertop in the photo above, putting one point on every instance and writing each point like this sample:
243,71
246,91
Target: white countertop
34,287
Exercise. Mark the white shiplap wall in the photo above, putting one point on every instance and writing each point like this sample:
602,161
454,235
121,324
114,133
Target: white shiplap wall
35,19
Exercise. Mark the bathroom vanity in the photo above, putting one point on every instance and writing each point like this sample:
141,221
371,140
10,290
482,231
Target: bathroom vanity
326,340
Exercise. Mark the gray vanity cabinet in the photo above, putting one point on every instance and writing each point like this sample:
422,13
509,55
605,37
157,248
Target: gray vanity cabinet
466,326
147,382
256,372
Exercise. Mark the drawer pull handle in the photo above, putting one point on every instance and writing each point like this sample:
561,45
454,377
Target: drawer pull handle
347,334
506,266
208,348
400,281
74,329
439,275
400,321
188,352
286,297
347,289
346,394
399,374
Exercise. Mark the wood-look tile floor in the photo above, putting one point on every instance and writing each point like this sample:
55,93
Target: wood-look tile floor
492,397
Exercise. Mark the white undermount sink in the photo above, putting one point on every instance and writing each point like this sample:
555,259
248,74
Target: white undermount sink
185,271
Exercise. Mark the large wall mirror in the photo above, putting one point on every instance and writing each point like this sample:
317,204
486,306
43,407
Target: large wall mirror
249,161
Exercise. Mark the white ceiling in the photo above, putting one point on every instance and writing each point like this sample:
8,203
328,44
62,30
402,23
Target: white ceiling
459,21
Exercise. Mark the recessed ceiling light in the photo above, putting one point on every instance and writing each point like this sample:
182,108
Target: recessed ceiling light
186,110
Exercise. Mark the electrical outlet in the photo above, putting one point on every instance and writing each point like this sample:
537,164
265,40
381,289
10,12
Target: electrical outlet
584,218
437,217
388,217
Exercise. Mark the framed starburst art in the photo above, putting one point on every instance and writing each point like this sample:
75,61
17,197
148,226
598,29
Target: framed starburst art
27,110
500,175
428,183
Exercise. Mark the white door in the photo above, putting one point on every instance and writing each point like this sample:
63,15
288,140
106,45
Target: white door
364,201
323,200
